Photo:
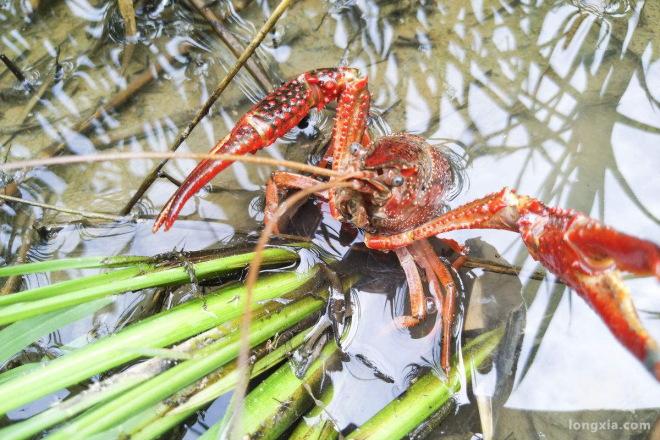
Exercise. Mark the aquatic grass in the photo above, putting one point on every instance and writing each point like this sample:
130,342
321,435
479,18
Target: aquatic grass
158,331
18,371
277,402
167,383
162,417
71,285
72,263
427,395
41,300
118,383
19,335
316,424
273,406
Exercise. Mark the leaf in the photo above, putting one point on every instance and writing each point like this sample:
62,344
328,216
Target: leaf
19,335
70,263
18,371
158,331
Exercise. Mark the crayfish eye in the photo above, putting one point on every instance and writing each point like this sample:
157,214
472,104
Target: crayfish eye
398,181
354,148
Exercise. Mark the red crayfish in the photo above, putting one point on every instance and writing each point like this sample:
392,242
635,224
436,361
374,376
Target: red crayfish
397,193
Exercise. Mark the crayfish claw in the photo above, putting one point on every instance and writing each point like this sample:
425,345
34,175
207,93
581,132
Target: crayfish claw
589,256
601,246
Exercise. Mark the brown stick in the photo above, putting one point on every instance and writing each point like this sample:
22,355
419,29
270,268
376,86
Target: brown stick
249,50
61,160
243,362
15,129
13,68
88,214
492,266
34,5
35,99
254,68
127,12
26,241
10,189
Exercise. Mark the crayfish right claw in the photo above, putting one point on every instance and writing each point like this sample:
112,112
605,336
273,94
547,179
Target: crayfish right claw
601,245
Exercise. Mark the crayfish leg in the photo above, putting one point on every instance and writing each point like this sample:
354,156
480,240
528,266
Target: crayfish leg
439,277
279,182
415,289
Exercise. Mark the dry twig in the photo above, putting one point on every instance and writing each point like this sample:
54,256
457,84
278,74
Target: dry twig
88,214
26,241
62,160
127,12
249,50
15,70
243,363
253,67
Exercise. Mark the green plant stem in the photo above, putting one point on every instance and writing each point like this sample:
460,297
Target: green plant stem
123,381
19,335
167,383
161,330
14,312
271,408
120,382
101,279
316,425
71,263
164,417
427,395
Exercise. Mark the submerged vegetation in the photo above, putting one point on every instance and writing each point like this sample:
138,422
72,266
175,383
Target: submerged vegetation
185,357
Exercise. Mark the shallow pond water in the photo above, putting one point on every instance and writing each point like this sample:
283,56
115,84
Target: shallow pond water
559,99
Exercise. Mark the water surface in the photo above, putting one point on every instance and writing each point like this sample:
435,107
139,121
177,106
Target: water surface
559,99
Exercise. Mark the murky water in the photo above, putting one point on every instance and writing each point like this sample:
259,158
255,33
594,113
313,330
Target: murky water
558,99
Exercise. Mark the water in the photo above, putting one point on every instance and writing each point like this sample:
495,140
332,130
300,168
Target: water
558,99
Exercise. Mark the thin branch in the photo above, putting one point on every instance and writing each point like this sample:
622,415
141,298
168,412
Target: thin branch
26,241
243,362
127,12
16,71
249,50
138,131
255,69
495,267
62,160
16,128
88,214
36,98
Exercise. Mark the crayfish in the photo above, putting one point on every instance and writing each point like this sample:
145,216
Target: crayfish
395,189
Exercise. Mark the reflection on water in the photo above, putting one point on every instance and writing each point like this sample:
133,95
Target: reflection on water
559,99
